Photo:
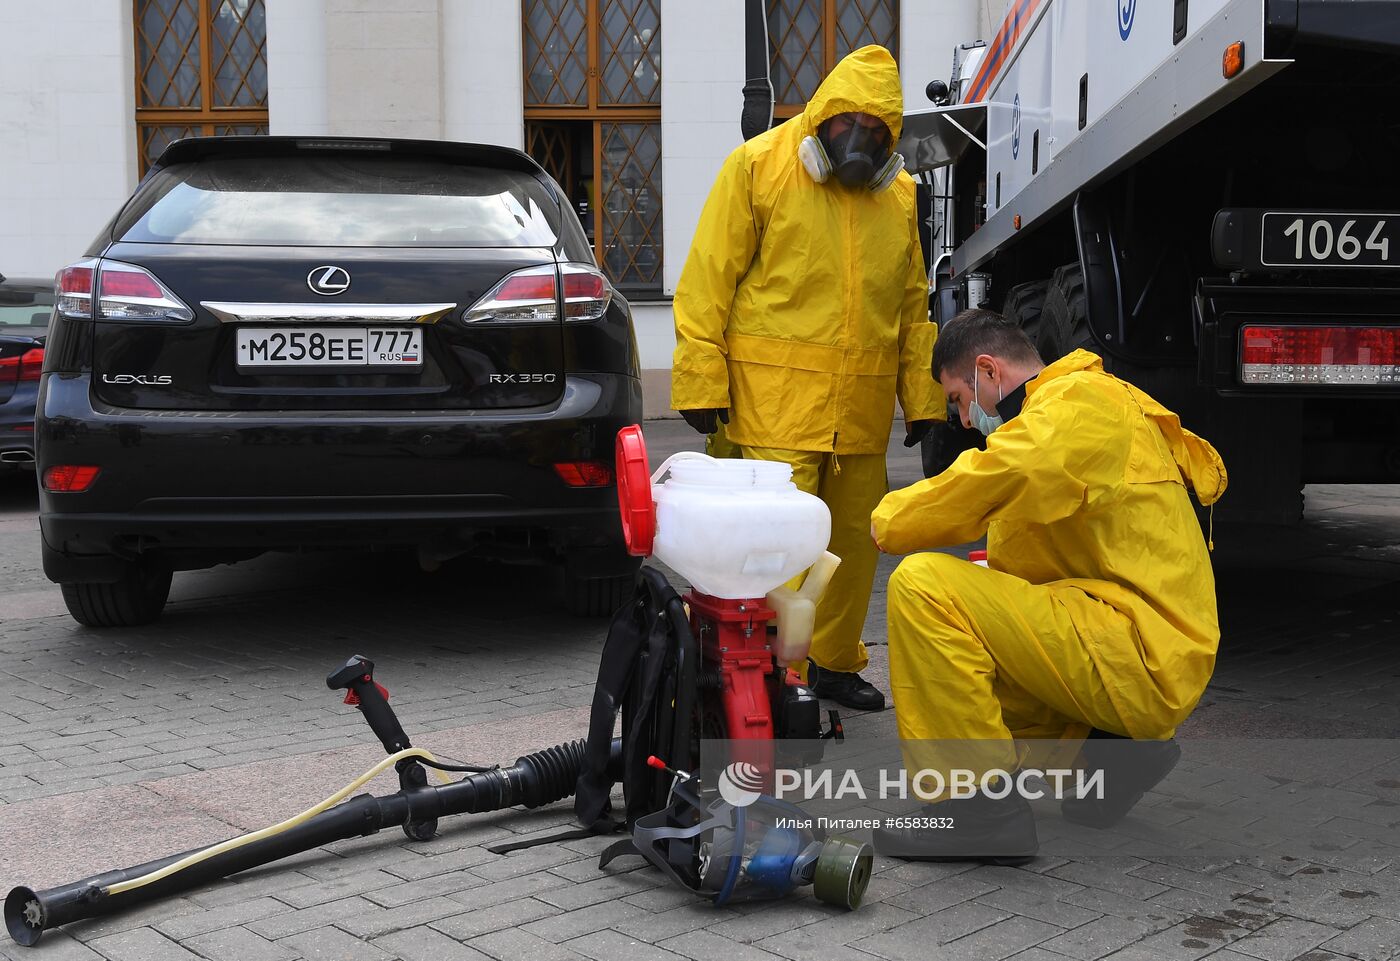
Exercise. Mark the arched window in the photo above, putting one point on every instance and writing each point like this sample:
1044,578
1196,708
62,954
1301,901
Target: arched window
593,120
201,68
806,38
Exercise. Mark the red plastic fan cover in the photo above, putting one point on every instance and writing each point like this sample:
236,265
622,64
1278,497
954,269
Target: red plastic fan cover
634,492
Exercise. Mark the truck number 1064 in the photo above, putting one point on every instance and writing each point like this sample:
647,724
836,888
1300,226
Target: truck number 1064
1323,241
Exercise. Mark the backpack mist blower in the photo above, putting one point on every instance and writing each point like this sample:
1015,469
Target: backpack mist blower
680,671
706,667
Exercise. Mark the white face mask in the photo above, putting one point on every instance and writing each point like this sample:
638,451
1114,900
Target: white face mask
981,420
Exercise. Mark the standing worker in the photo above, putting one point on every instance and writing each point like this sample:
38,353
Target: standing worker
1098,610
802,312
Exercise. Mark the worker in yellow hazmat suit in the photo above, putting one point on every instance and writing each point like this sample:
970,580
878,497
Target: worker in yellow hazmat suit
802,312
1098,609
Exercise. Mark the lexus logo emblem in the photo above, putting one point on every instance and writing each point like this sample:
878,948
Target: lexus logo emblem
328,281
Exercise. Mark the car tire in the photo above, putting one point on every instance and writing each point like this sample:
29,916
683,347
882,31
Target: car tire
137,598
597,596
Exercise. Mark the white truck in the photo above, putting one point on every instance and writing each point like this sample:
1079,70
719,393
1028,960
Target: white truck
1207,193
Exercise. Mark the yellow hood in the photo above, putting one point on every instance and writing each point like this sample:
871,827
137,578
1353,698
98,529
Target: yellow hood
865,81
1200,464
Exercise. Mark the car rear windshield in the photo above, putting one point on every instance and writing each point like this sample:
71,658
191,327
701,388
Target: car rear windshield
337,201
25,307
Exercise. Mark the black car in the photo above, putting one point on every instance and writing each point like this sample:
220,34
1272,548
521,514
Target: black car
305,344
25,309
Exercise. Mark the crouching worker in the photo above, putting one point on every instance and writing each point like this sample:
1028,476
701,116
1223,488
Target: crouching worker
1097,615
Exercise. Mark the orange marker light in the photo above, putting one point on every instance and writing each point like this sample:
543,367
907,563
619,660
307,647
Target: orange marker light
1233,62
1016,222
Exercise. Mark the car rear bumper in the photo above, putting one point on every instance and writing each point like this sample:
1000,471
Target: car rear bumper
17,428
197,488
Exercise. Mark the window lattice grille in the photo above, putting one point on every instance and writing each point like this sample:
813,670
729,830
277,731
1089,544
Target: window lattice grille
631,207
630,36
240,53
807,38
167,53
201,70
593,120
556,52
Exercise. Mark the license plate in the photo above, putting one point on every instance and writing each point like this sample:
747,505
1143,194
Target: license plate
264,347
1330,240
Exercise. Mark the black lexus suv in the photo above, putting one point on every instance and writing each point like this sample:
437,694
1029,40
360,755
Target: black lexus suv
288,344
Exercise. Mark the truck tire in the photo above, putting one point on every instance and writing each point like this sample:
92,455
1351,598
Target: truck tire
1065,318
137,598
1025,305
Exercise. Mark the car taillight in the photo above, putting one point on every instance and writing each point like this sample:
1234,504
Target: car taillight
73,289
585,473
124,292
70,478
587,292
531,296
128,292
1330,356
31,363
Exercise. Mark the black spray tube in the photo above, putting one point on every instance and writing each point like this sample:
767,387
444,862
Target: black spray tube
533,780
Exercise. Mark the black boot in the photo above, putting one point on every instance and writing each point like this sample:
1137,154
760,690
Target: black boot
847,689
977,828
1130,769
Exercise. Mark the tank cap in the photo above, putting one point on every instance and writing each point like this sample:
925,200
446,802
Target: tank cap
634,492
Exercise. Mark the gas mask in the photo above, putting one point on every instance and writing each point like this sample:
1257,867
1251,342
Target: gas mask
857,153
758,851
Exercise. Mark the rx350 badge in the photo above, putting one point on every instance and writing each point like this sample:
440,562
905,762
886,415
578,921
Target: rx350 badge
523,378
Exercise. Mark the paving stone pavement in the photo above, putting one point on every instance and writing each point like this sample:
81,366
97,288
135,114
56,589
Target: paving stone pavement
125,745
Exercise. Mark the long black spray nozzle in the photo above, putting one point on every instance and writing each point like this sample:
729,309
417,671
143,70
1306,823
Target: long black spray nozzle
533,780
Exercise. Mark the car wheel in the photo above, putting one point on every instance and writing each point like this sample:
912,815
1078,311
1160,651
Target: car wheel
137,598
597,596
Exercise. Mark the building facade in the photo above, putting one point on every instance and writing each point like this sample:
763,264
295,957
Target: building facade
631,104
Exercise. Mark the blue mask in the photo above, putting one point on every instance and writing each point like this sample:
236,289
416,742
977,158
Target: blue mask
981,420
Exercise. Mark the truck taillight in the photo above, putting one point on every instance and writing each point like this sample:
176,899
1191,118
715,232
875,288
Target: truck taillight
531,296
1329,356
124,292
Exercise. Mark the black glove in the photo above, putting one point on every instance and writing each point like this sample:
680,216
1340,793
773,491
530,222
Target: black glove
915,431
703,420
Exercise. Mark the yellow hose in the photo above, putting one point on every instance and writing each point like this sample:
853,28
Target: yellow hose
234,843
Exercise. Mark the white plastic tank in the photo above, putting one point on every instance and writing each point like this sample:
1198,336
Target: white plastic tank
735,528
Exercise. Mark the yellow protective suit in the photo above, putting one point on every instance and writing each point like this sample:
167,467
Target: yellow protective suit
1099,609
803,309
851,493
